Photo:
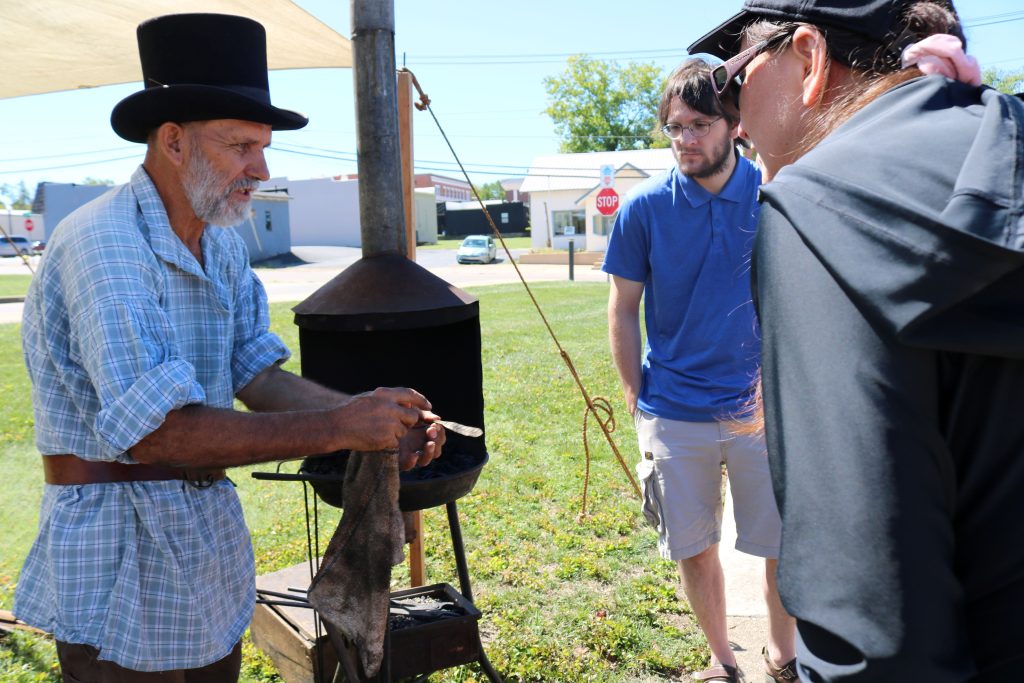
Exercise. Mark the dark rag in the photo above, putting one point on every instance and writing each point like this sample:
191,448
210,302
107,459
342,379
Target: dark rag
353,586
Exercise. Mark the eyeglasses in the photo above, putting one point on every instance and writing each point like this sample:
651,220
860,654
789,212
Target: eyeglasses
674,131
733,67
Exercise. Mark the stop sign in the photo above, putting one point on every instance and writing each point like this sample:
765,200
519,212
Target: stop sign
29,225
607,201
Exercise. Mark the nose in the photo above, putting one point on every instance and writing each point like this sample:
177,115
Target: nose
258,168
692,138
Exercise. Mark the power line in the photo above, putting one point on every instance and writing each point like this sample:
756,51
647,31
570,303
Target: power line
673,54
1003,61
615,55
551,54
989,19
61,166
341,155
482,168
68,154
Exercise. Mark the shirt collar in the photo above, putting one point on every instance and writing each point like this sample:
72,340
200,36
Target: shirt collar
734,190
164,242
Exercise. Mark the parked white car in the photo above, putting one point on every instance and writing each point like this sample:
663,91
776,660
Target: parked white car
477,249
14,245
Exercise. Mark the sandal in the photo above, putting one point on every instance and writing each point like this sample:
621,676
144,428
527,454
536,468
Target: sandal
774,674
721,672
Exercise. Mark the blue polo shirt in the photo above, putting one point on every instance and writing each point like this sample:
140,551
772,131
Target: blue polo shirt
691,249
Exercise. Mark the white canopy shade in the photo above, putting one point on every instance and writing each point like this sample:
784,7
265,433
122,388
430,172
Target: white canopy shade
53,45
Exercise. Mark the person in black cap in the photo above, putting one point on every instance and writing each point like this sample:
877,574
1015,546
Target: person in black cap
142,325
889,271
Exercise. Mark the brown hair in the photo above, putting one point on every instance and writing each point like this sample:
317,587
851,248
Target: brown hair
691,83
875,70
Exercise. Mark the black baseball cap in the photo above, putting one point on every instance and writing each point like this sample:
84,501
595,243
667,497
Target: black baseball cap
872,19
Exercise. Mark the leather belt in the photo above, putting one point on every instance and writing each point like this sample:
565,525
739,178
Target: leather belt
70,470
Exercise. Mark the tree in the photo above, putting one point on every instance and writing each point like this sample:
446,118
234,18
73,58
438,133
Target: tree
1010,82
491,191
20,199
96,181
600,106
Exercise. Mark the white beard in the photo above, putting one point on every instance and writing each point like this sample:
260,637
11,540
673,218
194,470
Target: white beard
211,202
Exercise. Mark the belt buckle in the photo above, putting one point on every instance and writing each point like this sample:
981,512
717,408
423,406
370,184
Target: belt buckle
202,482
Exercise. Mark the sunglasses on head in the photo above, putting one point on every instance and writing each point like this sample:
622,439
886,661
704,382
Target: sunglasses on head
733,67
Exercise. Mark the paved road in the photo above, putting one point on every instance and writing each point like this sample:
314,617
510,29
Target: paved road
320,264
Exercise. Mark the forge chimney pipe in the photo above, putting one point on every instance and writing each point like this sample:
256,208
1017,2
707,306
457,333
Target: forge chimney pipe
381,212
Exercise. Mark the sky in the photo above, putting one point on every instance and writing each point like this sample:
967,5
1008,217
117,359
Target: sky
483,65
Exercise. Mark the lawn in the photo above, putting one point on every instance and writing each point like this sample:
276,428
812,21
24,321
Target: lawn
14,285
562,599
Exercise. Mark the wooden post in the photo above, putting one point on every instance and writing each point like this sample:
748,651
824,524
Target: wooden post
405,107
417,554
417,551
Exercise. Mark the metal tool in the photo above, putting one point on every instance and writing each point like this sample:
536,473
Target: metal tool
459,428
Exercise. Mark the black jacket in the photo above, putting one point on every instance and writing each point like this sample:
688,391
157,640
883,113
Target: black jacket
889,279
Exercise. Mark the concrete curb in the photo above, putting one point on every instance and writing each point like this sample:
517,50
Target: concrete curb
747,615
584,258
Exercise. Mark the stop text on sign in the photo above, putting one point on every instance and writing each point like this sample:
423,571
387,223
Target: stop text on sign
607,201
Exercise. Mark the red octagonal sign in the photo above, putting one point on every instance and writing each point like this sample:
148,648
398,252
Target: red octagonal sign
607,201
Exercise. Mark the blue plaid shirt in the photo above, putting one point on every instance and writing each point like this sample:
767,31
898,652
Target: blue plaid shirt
121,326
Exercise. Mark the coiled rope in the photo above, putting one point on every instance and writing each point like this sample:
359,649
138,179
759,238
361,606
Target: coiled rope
598,406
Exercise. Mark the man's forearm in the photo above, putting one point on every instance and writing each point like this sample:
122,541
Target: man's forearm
292,418
624,335
199,436
275,390
625,345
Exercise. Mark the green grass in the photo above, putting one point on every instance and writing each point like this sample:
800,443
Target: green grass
562,599
14,285
454,242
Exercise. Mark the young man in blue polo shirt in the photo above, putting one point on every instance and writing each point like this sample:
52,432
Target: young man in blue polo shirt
682,242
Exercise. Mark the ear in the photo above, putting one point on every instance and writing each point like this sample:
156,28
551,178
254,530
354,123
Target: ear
810,50
170,141
734,129
742,134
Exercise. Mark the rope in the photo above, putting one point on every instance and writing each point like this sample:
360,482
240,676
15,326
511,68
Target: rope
595,404
24,257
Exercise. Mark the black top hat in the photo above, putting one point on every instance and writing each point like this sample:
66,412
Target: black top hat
198,67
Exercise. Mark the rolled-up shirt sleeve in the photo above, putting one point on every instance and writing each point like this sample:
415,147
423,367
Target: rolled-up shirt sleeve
121,342
139,376
256,347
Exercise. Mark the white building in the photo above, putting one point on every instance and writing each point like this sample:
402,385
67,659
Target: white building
563,194
265,230
31,226
325,212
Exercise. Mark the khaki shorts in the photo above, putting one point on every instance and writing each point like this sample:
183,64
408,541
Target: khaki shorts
680,473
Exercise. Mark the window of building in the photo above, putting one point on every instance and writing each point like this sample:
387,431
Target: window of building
267,222
603,224
569,222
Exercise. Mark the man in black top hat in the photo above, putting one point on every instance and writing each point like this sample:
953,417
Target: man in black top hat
142,326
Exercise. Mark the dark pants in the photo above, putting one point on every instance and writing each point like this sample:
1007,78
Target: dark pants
78,664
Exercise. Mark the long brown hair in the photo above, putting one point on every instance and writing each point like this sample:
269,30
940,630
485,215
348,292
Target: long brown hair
875,70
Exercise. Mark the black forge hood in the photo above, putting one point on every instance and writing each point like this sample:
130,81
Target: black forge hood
922,223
